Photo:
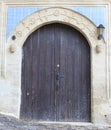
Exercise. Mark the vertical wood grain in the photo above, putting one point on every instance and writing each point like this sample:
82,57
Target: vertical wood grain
43,96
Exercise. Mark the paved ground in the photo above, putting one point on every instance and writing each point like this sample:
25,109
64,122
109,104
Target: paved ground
10,123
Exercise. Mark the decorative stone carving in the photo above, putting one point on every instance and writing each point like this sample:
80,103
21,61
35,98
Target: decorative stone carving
98,48
62,15
28,28
13,48
56,12
32,21
67,19
18,33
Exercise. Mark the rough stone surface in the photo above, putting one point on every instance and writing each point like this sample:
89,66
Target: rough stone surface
10,123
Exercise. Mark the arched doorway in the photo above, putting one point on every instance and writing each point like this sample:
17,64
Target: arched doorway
56,75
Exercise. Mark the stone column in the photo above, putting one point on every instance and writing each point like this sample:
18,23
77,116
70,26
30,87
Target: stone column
0,34
3,24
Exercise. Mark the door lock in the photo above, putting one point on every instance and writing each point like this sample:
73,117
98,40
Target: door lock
58,76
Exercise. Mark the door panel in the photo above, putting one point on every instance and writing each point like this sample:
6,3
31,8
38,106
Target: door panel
56,75
39,77
74,71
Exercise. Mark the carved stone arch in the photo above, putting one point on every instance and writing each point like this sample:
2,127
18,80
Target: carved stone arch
52,15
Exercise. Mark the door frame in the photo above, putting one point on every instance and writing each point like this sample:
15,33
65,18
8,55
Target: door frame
75,20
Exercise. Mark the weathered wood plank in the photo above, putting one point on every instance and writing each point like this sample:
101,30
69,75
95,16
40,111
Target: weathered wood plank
56,49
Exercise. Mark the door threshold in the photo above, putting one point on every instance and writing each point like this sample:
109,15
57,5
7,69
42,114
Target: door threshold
66,123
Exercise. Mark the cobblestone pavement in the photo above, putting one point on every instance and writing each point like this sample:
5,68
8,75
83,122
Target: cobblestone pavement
10,123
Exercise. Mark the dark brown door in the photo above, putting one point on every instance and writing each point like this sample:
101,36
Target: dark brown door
56,75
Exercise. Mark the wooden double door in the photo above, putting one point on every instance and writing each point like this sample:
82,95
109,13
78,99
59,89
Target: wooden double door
56,75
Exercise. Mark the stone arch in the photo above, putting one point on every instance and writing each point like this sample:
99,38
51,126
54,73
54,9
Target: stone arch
52,15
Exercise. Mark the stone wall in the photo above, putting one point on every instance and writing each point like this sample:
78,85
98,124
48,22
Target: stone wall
10,52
